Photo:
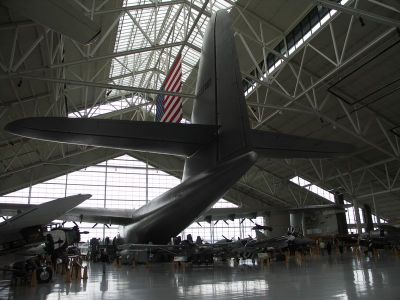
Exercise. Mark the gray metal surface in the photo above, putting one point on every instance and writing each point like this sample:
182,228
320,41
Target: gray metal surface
39,215
155,137
278,145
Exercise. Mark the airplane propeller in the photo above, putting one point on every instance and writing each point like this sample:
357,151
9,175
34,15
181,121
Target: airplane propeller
227,238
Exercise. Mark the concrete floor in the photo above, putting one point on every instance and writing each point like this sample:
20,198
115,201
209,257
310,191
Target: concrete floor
317,278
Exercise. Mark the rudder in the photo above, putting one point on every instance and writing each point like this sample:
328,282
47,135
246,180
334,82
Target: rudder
219,97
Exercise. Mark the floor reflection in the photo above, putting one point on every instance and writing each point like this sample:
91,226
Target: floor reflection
317,278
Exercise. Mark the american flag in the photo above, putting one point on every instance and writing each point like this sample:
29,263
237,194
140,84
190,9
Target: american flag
169,108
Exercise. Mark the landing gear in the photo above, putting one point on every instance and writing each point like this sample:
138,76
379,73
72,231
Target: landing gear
44,274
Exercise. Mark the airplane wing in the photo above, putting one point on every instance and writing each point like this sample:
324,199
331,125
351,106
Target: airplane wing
225,214
39,215
278,145
156,137
330,207
124,216
99,215
76,214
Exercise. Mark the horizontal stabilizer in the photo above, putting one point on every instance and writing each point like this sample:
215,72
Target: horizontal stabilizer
278,145
156,137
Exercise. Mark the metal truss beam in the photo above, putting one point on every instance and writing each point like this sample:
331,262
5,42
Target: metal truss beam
360,13
94,59
107,86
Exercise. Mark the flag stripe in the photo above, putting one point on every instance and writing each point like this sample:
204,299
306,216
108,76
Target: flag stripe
169,107
177,115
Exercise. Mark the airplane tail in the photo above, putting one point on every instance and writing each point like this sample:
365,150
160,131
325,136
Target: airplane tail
219,97
220,128
260,235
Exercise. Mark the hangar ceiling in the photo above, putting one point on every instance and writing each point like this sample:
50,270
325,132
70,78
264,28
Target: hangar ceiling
335,76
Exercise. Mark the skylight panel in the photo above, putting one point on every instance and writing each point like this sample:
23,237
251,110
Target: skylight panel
291,50
154,25
313,188
300,181
222,203
350,211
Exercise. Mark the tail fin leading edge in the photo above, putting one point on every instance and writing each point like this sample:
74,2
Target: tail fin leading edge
219,97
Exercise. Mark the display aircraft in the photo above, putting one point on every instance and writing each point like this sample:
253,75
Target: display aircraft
203,252
24,235
219,146
20,234
292,240
385,235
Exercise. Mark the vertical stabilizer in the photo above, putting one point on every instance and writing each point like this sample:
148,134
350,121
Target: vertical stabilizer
260,236
220,99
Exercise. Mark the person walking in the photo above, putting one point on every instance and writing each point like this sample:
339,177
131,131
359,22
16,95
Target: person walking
103,259
329,248
322,247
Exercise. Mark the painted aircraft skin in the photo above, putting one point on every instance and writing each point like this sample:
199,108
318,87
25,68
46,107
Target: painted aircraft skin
22,235
219,146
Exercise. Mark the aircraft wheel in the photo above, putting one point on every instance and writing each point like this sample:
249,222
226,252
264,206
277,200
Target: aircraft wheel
44,275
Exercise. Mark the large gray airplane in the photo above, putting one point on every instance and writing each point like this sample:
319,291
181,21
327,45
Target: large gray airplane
219,146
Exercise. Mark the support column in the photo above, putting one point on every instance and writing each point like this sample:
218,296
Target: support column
378,220
212,232
267,222
105,197
341,216
280,222
147,182
297,221
368,218
357,216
